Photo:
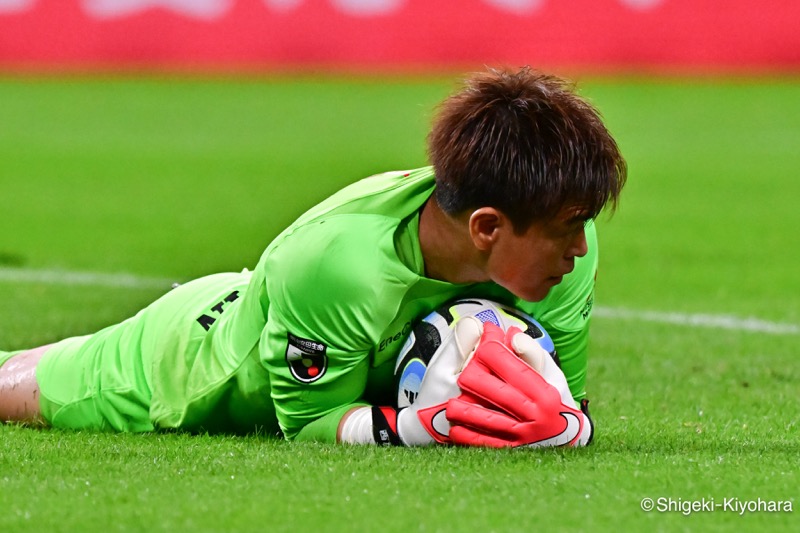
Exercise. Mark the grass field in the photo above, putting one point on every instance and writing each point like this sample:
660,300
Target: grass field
164,179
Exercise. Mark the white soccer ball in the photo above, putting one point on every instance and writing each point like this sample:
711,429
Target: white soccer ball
427,334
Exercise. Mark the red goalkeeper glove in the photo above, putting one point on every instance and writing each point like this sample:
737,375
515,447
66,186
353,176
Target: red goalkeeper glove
424,422
514,395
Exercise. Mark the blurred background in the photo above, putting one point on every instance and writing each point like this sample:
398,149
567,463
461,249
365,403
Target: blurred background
698,36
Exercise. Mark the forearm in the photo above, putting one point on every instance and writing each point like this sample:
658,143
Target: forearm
328,428
357,423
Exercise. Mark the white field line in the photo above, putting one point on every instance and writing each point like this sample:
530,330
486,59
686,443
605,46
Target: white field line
131,281
92,279
699,320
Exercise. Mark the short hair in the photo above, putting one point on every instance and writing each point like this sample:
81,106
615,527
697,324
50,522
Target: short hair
525,143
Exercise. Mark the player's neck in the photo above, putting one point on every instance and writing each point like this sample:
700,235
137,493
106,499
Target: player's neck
447,250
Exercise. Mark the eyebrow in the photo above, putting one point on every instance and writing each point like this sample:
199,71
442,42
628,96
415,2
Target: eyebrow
580,216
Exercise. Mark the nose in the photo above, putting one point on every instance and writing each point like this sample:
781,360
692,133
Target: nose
578,246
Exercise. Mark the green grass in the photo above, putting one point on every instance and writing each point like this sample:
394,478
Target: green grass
179,178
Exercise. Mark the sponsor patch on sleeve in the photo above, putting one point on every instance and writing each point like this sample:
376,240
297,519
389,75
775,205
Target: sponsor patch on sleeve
306,358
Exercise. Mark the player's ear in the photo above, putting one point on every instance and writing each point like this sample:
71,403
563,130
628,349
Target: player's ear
485,224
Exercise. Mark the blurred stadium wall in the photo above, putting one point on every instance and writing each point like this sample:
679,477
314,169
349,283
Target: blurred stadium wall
405,35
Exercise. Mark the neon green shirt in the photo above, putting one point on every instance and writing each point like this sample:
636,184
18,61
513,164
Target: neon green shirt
315,329
333,297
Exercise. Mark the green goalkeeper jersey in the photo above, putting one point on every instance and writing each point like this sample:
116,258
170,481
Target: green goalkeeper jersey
333,298
315,329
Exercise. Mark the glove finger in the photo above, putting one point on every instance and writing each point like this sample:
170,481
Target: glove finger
536,356
457,345
492,332
468,333
468,397
479,426
478,381
499,360
480,419
527,349
439,382
464,436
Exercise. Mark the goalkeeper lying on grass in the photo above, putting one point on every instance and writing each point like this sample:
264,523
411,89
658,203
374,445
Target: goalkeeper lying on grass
304,344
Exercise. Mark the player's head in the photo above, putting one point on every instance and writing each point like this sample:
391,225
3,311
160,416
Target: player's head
527,162
525,143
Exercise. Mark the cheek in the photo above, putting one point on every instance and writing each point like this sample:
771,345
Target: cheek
530,264
522,270
520,259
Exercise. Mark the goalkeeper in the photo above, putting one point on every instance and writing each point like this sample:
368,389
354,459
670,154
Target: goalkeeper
305,345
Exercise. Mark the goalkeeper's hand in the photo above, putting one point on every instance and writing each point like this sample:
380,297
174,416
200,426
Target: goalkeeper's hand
514,394
423,422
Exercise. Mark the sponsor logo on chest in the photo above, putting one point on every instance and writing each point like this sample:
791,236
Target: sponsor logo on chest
396,337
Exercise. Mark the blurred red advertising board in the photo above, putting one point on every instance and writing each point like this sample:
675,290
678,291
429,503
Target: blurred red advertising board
406,34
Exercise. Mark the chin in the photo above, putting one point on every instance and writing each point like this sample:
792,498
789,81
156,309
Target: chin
531,294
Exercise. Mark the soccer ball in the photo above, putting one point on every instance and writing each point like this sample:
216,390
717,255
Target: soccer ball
426,337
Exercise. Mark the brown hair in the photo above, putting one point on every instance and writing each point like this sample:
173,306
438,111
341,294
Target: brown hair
525,143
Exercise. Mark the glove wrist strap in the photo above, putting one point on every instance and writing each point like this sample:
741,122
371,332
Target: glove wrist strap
384,426
371,425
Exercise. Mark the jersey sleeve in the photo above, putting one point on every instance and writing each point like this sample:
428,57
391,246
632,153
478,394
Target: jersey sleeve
566,314
325,302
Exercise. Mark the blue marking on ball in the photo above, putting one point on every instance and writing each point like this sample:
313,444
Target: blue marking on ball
411,379
487,315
